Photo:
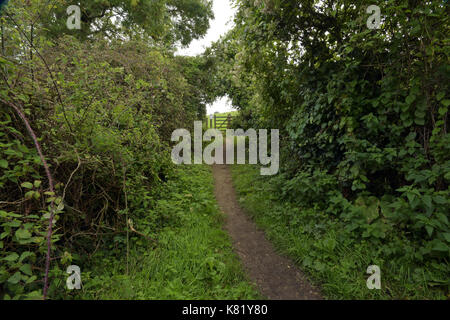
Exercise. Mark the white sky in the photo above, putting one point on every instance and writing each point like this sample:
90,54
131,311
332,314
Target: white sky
223,13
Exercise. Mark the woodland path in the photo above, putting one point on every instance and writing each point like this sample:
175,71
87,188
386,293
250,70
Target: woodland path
276,277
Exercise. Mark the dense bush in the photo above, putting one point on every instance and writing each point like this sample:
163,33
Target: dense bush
363,115
103,110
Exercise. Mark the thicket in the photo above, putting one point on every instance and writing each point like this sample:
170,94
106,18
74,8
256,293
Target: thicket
363,117
100,105
193,258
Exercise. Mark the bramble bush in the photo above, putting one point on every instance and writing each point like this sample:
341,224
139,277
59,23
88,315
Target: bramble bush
102,109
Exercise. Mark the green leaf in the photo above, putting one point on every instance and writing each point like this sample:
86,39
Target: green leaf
440,95
15,278
13,224
3,164
29,195
25,255
410,99
26,268
429,230
27,185
419,121
60,207
23,234
35,295
12,257
439,199
440,246
446,236
31,279
427,200
442,217
442,111
446,102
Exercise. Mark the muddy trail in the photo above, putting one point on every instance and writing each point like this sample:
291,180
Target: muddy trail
276,277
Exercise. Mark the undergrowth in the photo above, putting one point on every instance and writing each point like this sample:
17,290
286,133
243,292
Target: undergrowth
192,257
322,247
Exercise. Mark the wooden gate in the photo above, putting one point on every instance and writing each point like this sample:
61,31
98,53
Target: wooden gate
220,122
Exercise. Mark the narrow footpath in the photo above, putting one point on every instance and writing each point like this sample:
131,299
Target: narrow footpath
276,277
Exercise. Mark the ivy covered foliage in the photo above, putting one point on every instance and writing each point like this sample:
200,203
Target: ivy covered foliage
363,117
101,110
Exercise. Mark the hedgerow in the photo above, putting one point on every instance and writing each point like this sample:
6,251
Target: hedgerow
363,115
101,110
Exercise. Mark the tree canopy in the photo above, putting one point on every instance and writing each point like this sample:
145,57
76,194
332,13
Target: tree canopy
169,21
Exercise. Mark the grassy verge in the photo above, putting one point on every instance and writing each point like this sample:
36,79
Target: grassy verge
193,257
319,245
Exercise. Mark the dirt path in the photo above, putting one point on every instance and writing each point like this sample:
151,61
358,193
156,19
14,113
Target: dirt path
276,277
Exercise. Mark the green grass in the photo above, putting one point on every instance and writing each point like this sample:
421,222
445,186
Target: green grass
318,244
193,258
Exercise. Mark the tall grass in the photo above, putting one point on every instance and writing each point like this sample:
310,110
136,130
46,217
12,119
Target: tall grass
193,258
